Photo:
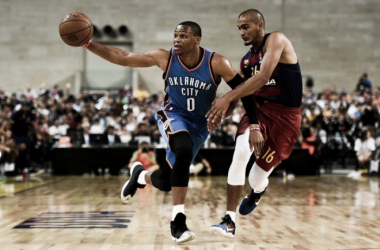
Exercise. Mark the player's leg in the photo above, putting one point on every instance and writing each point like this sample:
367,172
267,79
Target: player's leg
235,184
140,177
258,180
182,145
282,126
258,176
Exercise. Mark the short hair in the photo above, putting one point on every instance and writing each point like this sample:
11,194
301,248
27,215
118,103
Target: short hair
195,28
255,15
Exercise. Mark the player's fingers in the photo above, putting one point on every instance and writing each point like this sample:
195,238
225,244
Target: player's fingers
216,117
211,113
223,114
213,126
251,146
211,109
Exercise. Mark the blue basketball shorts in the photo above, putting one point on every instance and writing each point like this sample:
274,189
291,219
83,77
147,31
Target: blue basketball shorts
170,123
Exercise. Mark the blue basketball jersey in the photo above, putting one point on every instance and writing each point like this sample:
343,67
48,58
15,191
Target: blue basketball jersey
190,92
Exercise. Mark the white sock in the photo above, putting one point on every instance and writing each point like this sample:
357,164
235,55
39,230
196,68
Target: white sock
141,179
232,215
178,209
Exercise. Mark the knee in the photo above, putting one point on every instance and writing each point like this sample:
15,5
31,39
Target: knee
258,178
182,146
166,186
161,180
259,184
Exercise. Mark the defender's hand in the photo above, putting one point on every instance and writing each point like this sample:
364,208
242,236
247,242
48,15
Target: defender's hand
256,141
213,125
218,109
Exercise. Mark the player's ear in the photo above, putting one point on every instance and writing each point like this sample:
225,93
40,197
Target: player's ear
198,38
260,24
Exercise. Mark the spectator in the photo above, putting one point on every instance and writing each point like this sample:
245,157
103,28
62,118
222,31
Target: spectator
313,144
109,137
146,156
86,134
365,81
56,131
199,164
21,125
370,113
8,152
96,128
141,93
364,147
142,131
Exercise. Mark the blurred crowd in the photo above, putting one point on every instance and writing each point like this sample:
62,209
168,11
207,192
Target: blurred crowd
32,121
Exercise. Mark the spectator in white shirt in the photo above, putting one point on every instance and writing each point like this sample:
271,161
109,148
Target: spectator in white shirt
56,131
96,128
364,147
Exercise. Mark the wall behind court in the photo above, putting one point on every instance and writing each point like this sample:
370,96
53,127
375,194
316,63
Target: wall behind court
336,40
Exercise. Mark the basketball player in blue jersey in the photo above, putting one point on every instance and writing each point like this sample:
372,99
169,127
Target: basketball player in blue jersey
192,75
274,77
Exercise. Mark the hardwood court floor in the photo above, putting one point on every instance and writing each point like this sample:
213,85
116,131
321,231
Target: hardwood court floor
85,213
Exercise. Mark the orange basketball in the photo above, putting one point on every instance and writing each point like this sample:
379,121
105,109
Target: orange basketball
76,29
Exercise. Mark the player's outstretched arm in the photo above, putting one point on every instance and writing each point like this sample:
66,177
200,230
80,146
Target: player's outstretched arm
122,57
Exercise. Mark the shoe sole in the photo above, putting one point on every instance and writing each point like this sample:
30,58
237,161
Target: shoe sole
220,232
184,238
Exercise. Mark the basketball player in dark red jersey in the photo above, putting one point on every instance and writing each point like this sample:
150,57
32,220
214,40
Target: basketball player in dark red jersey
274,77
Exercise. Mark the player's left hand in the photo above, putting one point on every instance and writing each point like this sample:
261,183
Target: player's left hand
256,142
218,109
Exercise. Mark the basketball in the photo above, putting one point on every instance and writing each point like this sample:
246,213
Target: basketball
76,29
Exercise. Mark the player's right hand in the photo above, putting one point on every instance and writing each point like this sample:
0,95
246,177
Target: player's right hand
256,142
211,125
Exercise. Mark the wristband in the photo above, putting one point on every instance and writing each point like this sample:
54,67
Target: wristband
254,127
87,44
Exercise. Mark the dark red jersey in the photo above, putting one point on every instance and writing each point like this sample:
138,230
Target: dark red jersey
285,84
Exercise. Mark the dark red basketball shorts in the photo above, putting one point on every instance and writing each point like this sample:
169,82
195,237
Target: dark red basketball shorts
280,127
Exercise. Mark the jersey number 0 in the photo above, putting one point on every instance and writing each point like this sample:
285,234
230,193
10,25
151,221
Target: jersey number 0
190,104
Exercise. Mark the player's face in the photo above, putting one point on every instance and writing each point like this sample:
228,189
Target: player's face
184,40
249,31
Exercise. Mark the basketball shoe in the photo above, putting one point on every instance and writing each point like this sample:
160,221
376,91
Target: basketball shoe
179,230
131,185
225,228
250,202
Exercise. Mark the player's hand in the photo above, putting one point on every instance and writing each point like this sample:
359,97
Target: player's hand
218,109
208,170
213,125
256,142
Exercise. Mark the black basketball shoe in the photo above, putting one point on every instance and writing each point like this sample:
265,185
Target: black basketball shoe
179,230
250,202
225,228
130,186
